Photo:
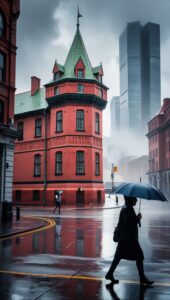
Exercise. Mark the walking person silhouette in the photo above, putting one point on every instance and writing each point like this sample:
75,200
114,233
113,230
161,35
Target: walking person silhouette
57,197
128,246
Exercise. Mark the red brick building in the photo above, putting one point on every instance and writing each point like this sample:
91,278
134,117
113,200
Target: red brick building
9,12
159,149
60,147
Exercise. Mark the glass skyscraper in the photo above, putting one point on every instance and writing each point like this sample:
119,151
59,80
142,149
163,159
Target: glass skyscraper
115,113
140,100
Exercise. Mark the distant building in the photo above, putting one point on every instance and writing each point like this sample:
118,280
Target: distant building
115,114
60,146
139,49
159,149
9,12
133,168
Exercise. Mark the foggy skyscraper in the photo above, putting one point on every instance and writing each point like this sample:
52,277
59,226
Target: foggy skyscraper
115,113
140,100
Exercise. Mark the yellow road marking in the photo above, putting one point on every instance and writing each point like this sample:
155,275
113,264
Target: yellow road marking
50,222
165,284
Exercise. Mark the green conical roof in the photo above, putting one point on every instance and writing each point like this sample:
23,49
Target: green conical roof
77,51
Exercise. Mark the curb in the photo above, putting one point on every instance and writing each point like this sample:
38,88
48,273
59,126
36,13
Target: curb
19,232
96,208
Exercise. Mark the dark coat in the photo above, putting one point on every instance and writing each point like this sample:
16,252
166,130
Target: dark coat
128,246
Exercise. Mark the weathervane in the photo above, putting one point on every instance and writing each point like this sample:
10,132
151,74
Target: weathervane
78,16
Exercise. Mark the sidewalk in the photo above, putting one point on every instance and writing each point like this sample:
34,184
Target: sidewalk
29,223
109,204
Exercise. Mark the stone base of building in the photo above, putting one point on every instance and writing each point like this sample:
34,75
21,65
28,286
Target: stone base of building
76,195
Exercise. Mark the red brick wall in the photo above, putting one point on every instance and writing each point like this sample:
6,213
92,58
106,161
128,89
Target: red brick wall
7,89
71,87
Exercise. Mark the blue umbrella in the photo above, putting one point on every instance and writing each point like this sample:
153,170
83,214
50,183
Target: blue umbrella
140,190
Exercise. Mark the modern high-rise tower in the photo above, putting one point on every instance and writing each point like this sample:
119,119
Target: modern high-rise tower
115,113
140,100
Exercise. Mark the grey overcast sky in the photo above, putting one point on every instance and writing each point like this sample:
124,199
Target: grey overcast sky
46,29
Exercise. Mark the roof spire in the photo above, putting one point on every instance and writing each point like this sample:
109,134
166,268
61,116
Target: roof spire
78,16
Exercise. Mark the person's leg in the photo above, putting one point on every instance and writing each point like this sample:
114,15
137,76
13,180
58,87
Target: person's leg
112,268
140,267
59,209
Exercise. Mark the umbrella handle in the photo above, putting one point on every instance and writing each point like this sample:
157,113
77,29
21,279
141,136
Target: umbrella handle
139,205
139,211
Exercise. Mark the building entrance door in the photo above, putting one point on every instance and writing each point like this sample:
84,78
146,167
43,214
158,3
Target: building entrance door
99,194
79,198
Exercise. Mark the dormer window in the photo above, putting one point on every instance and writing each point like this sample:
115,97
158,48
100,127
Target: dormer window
79,69
80,73
56,75
100,78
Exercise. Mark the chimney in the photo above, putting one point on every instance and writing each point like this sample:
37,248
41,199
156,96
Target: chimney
35,85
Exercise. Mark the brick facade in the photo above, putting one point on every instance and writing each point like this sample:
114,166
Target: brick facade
70,144
9,12
159,149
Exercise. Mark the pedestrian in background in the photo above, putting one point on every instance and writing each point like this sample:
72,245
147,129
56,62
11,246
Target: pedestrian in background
128,245
57,197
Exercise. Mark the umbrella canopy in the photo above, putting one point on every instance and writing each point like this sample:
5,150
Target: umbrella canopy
58,192
140,190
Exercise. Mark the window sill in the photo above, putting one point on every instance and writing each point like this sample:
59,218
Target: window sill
37,175
79,130
58,174
59,131
36,137
80,174
97,132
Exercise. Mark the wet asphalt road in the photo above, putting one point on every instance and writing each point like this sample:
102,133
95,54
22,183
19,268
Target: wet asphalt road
69,260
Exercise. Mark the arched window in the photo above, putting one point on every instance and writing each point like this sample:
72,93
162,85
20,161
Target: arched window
80,120
58,163
59,121
1,111
2,24
2,67
20,128
38,127
80,163
97,123
37,165
97,163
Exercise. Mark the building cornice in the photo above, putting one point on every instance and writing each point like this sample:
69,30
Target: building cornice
38,112
59,181
9,131
77,99
83,80
158,129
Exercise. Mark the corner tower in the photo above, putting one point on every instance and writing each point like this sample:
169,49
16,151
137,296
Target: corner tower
76,97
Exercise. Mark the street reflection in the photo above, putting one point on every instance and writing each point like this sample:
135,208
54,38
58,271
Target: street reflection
83,247
137,293
73,237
